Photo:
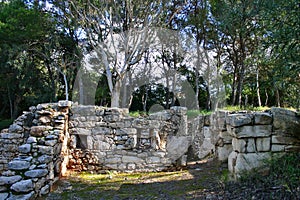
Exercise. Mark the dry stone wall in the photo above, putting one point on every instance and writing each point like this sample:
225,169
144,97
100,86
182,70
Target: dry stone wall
42,143
259,136
108,138
34,151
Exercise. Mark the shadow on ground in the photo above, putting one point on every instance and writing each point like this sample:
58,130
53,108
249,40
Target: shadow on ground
200,180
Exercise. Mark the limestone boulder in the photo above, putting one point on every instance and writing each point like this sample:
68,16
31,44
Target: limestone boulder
263,118
241,162
223,152
237,120
251,131
177,146
287,121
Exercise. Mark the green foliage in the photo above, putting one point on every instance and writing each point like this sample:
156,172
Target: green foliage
4,123
137,114
280,180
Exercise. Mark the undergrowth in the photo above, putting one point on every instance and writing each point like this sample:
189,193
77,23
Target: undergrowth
281,182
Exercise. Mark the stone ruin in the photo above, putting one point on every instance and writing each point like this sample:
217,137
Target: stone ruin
43,143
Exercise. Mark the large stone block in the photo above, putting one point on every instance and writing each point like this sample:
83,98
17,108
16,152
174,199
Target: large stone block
247,161
81,131
83,110
251,131
280,139
263,118
277,147
251,145
223,152
286,121
237,120
101,131
207,148
132,159
177,146
263,144
239,145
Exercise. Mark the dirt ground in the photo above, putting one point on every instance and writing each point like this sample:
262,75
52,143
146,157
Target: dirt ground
199,180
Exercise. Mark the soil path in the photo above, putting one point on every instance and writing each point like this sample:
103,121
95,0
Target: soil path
200,180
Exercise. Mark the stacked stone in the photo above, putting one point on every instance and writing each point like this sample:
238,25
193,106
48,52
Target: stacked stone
251,140
112,138
222,138
286,134
83,160
258,136
38,162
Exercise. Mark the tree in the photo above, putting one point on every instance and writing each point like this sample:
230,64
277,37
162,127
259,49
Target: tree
236,21
118,32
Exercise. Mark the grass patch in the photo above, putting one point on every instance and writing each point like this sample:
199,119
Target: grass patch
195,113
137,114
249,108
4,123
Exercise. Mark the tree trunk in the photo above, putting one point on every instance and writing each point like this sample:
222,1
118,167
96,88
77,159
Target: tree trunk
277,97
267,98
257,88
115,95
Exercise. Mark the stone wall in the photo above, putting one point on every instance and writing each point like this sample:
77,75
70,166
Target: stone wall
259,136
42,143
245,139
108,138
34,152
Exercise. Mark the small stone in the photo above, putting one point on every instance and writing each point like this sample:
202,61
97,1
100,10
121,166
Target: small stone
25,148
46,150
36,173
22,197
31,140
39,131
45,190
11,135
15,128
45,159
3,189
32,167
42,166
8,180
50,142
18,165
8,173
22,186
3,195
